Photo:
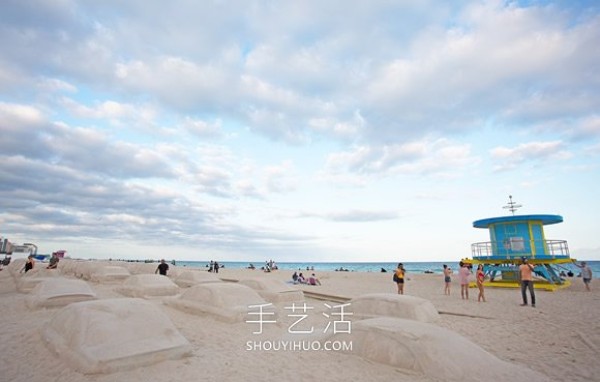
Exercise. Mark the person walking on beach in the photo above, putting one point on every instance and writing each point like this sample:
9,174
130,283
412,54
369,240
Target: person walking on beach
447,279
586,274
463,276
480,276
162,268
526,274
399,278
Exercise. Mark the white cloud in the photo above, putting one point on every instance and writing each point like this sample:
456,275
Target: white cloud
362,216
54,85
280,178
426,157
507,158
202,128
15,116
588,128
177,81
101,110
213,124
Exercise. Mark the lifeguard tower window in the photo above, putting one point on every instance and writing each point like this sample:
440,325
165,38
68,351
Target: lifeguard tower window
510,229
514,244
517,244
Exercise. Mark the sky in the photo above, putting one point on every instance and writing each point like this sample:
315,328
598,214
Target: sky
364,131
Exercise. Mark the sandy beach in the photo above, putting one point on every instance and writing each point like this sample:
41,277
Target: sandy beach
559,339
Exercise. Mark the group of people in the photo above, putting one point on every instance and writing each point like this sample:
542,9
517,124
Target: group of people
30,262
464,273
526,273
270,266
162,268
300,279
214,267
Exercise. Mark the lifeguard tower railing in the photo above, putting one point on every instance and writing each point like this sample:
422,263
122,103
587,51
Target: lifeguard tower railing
505,256
507,250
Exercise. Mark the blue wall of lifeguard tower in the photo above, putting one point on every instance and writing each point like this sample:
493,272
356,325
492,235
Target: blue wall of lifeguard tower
517,239
512,237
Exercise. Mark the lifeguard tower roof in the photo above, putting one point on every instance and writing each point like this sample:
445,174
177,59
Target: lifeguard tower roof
544,219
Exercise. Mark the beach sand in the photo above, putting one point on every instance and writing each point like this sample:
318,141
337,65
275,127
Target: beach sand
559,339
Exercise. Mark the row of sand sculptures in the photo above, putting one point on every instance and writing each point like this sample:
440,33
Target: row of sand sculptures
90,334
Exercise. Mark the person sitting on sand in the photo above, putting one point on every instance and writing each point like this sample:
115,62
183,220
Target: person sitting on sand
5,261
295,277
313,280
53,264
301,278
28,264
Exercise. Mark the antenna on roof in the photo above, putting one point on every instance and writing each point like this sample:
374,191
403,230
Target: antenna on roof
512,206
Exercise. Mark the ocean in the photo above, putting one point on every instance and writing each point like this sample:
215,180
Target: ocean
411,267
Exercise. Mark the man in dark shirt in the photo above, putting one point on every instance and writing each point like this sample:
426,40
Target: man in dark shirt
162,268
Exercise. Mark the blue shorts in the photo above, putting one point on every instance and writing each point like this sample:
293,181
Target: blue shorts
586,281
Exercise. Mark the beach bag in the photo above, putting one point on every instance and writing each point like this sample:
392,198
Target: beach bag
395,277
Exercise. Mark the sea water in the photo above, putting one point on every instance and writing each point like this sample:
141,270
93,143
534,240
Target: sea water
410,267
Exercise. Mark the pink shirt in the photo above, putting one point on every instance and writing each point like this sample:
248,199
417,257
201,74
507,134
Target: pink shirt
463,275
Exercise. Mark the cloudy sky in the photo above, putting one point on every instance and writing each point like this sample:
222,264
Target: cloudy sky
297,131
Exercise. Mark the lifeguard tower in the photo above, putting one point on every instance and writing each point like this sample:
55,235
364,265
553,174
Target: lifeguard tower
514,237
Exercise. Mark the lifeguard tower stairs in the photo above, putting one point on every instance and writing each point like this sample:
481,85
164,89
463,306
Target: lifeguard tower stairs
514,237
